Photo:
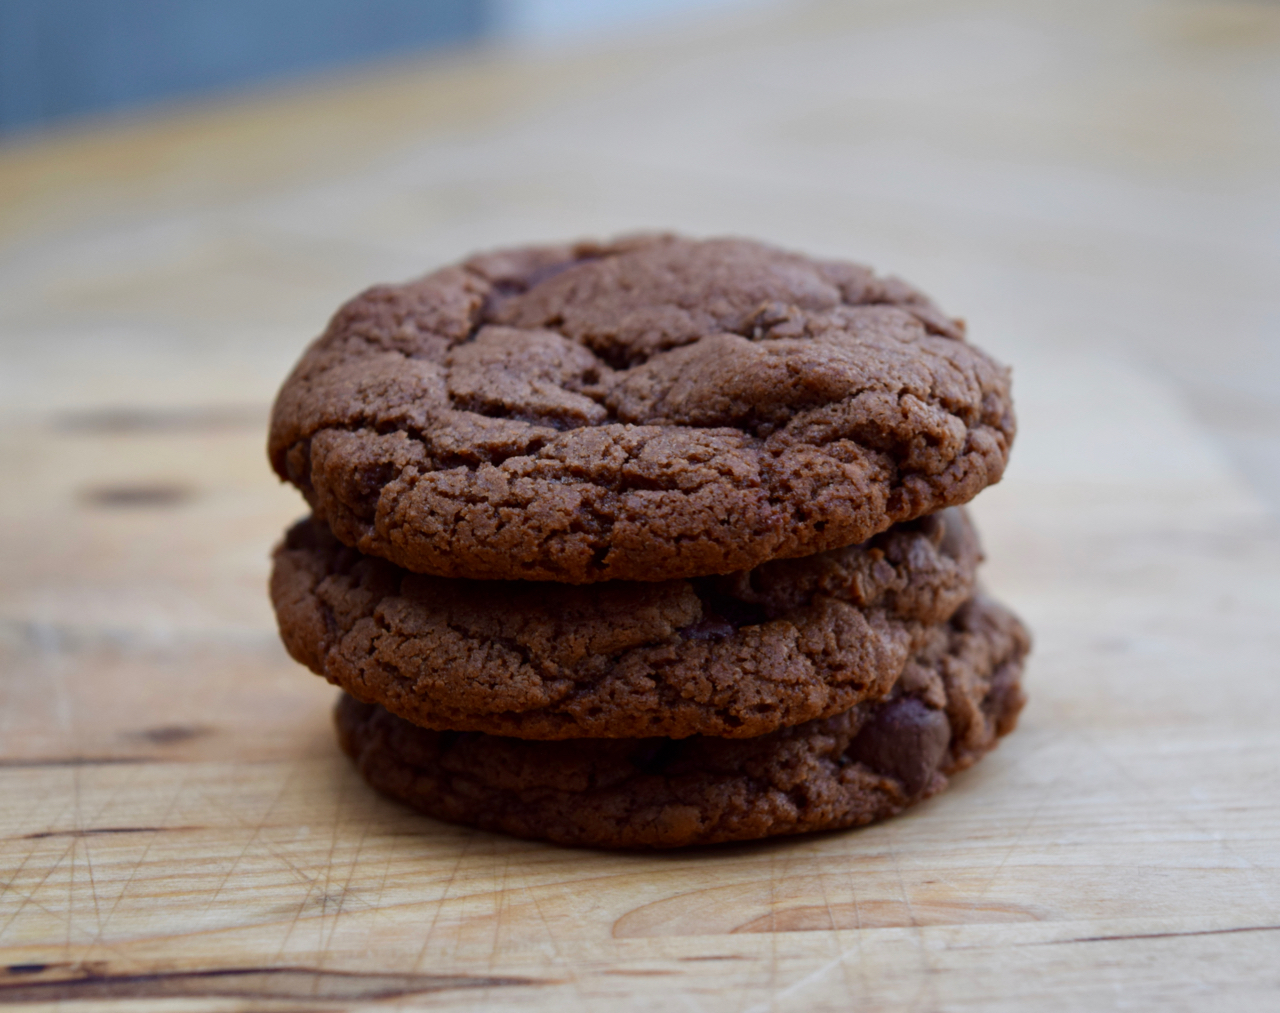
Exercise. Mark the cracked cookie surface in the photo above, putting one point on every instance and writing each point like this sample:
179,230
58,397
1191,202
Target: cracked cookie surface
959,694
735,656
650,409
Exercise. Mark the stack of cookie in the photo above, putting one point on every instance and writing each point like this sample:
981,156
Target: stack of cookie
648,544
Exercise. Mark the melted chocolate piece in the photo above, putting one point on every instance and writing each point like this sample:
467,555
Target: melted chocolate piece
709,628
722,614
905,740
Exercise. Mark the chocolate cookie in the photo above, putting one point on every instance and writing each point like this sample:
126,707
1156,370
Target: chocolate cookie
652,409
960,692
734,656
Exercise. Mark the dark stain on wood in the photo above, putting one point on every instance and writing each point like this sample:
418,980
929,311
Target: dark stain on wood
167,735
136,495
102,830
76,761
1155,935
265,983
163,421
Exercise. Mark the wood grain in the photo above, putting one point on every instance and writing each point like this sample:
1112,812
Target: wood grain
1094,185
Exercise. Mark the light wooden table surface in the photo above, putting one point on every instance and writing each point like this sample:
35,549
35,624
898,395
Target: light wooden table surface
1095,186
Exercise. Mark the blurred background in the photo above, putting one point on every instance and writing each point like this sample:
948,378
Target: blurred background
189,189
61,59
1081,172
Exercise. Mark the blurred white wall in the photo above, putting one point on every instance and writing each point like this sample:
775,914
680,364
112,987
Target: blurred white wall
546,22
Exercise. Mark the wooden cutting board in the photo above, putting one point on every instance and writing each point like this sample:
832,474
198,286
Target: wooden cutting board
177,828
178,825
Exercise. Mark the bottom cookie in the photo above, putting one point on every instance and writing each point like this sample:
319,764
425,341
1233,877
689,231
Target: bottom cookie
959,694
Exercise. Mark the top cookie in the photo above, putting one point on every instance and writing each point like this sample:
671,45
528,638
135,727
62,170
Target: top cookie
651,409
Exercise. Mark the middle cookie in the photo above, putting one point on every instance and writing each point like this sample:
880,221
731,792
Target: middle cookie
732,656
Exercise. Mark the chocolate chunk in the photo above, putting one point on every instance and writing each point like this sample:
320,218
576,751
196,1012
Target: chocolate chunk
709,628
905,740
